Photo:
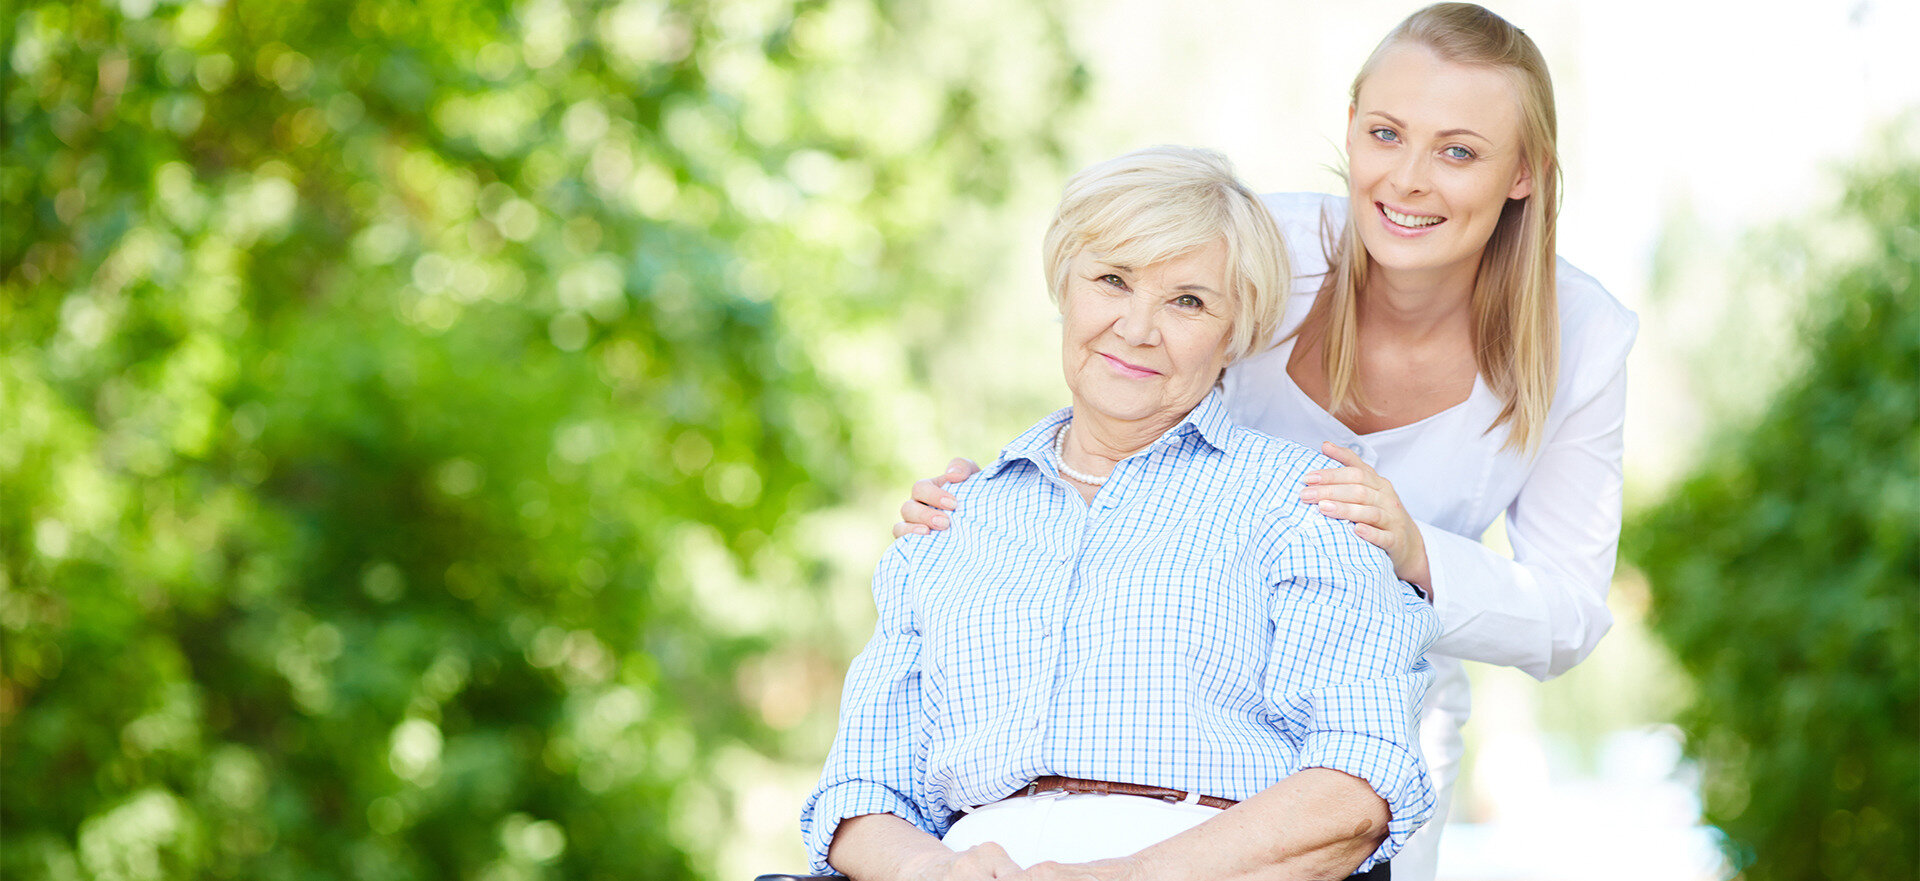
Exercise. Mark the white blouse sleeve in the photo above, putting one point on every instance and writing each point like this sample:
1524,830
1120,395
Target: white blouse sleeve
1544,609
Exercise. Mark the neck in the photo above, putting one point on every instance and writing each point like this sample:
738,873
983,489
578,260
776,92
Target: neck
1417,304
1096,443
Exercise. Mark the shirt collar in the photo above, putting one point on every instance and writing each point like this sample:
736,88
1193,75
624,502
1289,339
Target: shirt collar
1208,419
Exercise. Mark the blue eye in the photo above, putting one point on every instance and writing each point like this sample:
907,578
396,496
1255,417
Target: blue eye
1457,152
1386,134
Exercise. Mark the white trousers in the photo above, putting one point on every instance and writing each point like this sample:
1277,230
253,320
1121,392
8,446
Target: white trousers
1440,743
1074,827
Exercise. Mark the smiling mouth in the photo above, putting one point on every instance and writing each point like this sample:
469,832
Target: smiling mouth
1125,369
1410,221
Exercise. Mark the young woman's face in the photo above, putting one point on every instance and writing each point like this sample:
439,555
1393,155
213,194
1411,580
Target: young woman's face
1434,154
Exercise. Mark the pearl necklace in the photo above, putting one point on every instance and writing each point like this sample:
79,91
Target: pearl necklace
1060,452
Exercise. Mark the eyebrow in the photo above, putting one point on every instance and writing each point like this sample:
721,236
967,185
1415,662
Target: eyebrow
1179,287
1445,134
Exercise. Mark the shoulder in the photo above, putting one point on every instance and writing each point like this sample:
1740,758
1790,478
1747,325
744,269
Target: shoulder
1293,208
1305,220
1596,331
1296,537
1274,466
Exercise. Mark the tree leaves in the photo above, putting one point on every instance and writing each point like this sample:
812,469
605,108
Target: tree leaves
1786,575
409,407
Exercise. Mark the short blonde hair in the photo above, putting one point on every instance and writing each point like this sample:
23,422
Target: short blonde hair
1516,318
1161,202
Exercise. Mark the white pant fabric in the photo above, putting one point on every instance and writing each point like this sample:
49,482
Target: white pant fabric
1441,744
1074,827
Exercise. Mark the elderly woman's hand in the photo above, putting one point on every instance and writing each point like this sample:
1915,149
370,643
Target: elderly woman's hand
884,847
926,510
977,863
1122,869
1359,495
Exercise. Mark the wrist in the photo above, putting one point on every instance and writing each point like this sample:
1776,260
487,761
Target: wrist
923,864
1156,863
1420,576
1417,570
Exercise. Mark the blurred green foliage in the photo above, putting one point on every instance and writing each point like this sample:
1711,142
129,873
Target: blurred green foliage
1785,574
409,406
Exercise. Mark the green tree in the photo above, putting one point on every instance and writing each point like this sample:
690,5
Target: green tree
408,405
1785,575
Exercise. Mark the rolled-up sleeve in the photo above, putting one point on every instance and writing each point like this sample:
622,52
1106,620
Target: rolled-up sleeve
1348,668
870,770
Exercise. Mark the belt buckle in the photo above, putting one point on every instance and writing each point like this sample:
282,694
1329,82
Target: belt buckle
1033,790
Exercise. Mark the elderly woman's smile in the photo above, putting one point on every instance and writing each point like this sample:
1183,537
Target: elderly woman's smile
1134,371
1143,345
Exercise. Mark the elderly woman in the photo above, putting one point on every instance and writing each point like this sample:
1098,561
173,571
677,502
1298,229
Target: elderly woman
1136,653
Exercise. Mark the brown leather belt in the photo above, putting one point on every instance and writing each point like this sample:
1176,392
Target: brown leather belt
1102,787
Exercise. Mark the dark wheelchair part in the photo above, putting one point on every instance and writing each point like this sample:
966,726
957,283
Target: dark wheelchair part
1380,872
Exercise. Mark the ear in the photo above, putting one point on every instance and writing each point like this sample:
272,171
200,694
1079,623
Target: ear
1522,183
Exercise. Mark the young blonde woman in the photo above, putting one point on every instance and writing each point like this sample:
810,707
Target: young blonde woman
1457,369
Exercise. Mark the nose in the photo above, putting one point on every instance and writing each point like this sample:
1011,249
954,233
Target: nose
1137,325
1411,173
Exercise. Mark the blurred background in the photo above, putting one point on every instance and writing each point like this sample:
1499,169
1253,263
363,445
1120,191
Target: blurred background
451,439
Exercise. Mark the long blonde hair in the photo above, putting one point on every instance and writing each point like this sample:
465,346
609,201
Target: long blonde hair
1516,320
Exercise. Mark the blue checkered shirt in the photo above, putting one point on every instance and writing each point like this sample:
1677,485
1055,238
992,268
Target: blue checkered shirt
1196,627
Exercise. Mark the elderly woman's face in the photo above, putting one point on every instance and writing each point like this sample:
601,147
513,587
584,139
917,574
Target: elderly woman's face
1145,342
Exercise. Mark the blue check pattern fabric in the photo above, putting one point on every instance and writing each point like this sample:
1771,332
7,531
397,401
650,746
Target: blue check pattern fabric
1196,627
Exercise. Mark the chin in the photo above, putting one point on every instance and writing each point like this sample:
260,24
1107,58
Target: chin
1122,411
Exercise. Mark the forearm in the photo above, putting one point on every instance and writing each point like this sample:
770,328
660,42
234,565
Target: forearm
1318,823
882,847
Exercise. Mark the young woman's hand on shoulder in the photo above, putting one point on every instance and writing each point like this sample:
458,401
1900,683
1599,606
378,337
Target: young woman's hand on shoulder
1359,495
927,510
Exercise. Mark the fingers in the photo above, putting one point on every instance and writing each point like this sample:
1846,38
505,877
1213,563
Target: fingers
1354,513
1326,476
931,493
1379,538
986,861
1349,493
1356,471
925,512
1373,532
1341,454
997,859
918,519
1098,870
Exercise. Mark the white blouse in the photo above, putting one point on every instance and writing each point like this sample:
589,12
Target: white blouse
1544,609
